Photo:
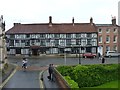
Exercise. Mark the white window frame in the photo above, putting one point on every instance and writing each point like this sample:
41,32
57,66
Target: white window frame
94,42
115,47
100,39
99,30
115,39
108,39
107,48
108,30
115,30
62,35
83,35
94,35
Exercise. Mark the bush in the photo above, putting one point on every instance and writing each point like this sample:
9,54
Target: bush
71,82
65,70
91,75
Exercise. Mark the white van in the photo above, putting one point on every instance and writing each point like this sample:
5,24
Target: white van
112,53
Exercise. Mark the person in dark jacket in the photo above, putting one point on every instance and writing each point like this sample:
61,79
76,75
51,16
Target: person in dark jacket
50,70
99,56
103,59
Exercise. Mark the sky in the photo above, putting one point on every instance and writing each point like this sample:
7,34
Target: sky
62,11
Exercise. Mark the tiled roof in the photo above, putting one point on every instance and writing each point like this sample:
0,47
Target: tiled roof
55,28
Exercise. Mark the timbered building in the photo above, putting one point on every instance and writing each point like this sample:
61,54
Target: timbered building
52,38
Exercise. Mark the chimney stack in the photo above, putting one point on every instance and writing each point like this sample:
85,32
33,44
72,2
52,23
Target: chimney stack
50,21
91,21
114,20
16,24
73,21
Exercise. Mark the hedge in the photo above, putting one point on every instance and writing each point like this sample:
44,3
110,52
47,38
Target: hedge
90,75
71,82
65,70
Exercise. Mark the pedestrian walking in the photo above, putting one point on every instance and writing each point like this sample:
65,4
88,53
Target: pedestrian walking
24,65
26,62
50,70
53,73
99,56
103,59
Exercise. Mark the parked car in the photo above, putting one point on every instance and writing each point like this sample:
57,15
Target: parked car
112,54
89,55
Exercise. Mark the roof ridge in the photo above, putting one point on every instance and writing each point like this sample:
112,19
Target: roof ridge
52,23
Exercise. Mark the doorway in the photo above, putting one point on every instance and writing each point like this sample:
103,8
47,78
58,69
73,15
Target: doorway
35,52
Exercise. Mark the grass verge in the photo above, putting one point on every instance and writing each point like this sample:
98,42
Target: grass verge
112,84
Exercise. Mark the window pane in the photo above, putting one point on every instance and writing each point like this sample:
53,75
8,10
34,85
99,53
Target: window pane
107,39
100,30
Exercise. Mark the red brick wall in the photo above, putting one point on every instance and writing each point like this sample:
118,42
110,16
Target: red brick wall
111,34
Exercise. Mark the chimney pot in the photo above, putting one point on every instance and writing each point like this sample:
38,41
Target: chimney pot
114,20
91,20
73,21
16,24
50,20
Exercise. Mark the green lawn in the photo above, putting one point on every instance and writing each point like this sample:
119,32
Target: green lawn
112,84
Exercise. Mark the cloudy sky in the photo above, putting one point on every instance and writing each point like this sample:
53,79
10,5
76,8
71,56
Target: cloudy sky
62,11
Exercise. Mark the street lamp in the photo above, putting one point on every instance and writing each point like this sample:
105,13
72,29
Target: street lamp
65,56
79,54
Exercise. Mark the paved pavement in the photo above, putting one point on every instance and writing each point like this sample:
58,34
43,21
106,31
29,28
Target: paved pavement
49,84
24,79
30,79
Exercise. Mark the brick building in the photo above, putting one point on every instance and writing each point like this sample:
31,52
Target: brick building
108,37
52,38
